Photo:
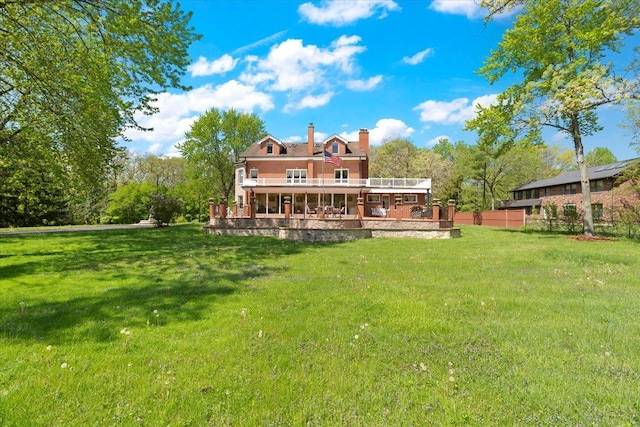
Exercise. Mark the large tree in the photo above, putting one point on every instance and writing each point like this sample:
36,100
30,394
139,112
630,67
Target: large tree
73,73
558,47
213,145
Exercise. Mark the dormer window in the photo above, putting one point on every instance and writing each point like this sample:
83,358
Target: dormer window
269,148
335,148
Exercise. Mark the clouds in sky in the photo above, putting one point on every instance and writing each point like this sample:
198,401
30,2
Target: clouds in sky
344,12
418,57
289,75
452,112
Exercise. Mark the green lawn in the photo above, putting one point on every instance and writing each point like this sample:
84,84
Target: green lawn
176,327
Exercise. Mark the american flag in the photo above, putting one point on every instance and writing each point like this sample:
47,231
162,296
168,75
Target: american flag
330,158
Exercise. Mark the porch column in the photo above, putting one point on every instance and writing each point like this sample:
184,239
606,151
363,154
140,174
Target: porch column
212,209
452,209
235,208
287,207
222,209
436,209
252,206
360,207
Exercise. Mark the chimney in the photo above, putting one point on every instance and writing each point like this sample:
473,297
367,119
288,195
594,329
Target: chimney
310,140
363,140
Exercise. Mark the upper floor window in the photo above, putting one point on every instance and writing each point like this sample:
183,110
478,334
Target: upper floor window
570,188
240,179
269,148
335,148
296,176
253,174
341,176
597,185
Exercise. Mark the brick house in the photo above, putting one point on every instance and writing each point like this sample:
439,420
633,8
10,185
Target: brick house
324,178
564,191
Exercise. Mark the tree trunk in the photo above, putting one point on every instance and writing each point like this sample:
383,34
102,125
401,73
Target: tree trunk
587,217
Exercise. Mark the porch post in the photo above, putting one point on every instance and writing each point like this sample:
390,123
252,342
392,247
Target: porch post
287,207
235,208
223,208
436,209
212,209
360,207
452,209
252,206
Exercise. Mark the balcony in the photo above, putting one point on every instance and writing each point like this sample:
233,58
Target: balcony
376,185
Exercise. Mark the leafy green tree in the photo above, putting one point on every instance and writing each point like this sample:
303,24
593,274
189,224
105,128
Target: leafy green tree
600,156
394,158
559,47
130,203
214,143
164,209
76,72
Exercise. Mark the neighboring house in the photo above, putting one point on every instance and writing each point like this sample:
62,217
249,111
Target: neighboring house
564,191
321,178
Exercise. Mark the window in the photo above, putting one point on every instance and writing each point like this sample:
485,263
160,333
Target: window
373,198
410,198
341,176
335,148
269,148
597,185
253,174
240,202
240,176
596,211
296,176
570,188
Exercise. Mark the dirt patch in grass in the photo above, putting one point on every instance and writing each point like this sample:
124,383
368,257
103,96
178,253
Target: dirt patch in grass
591,238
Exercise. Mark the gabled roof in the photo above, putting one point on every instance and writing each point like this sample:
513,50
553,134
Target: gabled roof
299,149
270,138
335,136
609,170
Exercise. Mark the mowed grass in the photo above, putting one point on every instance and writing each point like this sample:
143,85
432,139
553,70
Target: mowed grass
176,327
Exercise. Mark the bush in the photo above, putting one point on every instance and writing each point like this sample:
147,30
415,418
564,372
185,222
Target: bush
164,209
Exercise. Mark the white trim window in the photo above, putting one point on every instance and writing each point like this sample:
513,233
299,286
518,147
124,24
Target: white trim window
341,176
240,176
296,176
253,174
373,198
410,198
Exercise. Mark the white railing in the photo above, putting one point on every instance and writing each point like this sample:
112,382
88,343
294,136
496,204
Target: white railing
330,182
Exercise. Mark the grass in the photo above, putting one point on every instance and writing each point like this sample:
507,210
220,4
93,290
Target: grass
175,327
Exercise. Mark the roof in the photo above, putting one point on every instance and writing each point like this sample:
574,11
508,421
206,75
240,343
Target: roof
609,170
299,149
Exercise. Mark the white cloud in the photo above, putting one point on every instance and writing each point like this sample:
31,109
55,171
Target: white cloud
384,130
294,66
434,141
418,57
310,101
457,111
344,12
469,8
202,67
362,85
178,111
269,39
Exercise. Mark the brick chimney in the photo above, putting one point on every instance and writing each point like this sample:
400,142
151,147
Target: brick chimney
310,140
363,140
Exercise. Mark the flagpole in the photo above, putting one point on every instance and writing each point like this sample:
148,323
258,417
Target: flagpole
323,180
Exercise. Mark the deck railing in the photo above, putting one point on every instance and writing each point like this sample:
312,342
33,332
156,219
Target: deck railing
330,182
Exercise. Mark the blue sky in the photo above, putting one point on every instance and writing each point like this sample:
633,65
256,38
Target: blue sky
399,69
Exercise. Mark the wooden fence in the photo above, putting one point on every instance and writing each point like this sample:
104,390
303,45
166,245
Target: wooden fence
508,218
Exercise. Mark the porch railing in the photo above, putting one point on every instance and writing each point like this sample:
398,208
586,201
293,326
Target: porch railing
330,182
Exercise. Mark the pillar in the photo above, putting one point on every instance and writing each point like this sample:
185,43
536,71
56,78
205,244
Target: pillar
360,207
235,209
451,204
252,206
287,207
436,209
212,209
222,208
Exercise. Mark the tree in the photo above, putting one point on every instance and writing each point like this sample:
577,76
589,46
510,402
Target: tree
600,156
393,158
559,47
214,143
75,72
